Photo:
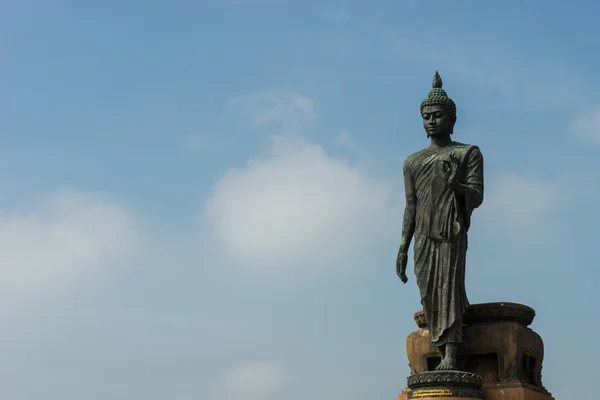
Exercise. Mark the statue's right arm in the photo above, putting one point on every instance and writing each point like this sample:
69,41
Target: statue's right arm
410,210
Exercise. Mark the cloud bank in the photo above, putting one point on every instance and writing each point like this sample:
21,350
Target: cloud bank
70,236
296,206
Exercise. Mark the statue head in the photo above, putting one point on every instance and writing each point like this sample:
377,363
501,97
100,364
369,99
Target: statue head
438,110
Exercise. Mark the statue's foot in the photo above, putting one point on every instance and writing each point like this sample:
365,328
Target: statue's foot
447,364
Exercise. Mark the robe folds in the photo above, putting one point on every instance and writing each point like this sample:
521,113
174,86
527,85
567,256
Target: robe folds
442,220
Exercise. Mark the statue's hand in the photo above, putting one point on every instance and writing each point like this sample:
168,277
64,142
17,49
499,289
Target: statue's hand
401,262
451,169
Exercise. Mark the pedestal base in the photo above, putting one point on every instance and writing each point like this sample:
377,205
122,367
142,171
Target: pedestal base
445,384
498,346
496,392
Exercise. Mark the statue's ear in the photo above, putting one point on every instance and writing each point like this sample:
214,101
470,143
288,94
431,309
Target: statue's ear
452,125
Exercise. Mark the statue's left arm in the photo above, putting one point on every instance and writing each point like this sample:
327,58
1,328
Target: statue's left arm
471,183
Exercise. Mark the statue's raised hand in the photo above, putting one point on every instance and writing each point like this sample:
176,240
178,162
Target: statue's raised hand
451,169
401,262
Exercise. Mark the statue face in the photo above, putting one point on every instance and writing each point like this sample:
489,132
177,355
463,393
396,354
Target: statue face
436,121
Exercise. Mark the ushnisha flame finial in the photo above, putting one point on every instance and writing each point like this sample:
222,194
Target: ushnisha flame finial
437,81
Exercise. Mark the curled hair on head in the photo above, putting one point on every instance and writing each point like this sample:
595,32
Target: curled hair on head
438,97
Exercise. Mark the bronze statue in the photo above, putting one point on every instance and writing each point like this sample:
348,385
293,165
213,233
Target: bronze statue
443,184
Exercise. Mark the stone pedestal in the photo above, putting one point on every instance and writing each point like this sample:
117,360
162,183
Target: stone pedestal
498,345
438,384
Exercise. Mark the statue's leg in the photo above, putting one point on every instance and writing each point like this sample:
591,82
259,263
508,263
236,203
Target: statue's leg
451,354
454,299
448,347
442,350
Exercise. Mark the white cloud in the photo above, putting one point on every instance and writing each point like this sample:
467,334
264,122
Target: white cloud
296,206
253,381
69,236
289,109
586,125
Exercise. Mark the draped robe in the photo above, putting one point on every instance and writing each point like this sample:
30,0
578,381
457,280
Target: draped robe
441,223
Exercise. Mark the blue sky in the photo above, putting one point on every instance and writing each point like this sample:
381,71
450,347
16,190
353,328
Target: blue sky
203,200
